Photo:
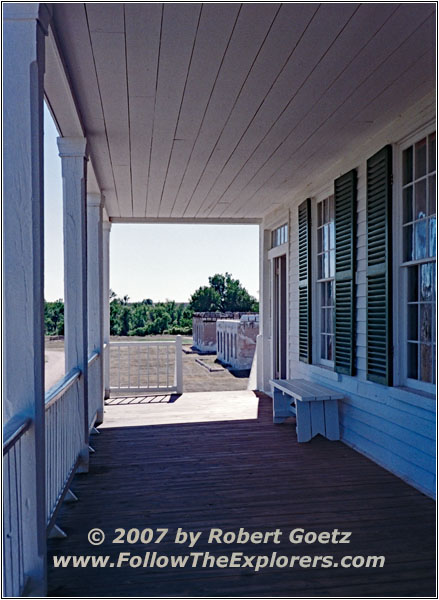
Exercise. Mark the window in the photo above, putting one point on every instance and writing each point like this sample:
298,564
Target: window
279,236
325,279
419,257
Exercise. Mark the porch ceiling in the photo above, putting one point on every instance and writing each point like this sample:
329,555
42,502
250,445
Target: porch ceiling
222,110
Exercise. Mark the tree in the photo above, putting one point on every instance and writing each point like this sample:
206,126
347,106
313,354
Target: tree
223,294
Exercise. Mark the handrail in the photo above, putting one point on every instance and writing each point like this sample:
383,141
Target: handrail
61,387
93,356
13,430
146,343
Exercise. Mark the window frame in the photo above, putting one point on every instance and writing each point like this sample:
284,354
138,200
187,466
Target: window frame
400,267
327,192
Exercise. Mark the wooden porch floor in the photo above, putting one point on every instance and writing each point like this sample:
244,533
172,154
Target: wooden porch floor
216,460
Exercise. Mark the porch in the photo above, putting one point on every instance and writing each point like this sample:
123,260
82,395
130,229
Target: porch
215,460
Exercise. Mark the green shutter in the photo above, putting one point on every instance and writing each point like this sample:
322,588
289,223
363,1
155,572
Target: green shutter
305,281
345,205
379,251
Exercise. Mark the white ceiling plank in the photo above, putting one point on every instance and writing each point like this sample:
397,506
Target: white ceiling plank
253,24
179,29
143,26
287,29
70,23
216,26
404,76
327,23
249,106
277,150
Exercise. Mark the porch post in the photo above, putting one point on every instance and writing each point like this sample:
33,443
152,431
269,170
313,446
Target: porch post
264,339
74,171
24,30
95,287
106,228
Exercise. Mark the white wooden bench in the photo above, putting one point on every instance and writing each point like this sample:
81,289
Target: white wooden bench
315,407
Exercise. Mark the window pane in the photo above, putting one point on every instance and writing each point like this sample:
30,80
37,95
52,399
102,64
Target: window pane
425,316
412,284
319,240
407,165
412,325
432,195
331,235
421,158
329,315
330,293
432,152
421,199
408,243
412,360
421,239
326,255
329,347
425,362
320,214
325,237
320,268
432,237
426,282
407,196
322,320
332,263
323,346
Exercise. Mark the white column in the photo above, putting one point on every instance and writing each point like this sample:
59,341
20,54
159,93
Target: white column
264,338
95,295
74,171
106,228
24,30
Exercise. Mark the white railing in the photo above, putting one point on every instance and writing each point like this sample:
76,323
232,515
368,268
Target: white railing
95,392
15,435
146,367
64,439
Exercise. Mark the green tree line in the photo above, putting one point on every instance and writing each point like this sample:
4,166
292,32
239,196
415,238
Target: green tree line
223,294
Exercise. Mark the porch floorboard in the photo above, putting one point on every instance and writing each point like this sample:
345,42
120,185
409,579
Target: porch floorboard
210,460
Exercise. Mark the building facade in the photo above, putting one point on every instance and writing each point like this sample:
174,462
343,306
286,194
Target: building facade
236,341
358,282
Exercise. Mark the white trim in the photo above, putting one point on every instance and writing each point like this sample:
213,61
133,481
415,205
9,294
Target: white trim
277,250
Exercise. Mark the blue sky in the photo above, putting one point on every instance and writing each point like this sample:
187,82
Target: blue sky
150,261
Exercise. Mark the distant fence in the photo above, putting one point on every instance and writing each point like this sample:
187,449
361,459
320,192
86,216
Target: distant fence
146,367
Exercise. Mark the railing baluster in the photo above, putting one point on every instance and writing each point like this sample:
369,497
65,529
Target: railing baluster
147,364
129,367
139,356
118,369
167,366
158,366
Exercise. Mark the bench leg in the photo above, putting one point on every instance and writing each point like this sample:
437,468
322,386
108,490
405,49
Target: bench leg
303,416
332,420
281,406
317,418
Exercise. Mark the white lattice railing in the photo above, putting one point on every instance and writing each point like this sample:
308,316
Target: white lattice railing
16,444
64,438
146,367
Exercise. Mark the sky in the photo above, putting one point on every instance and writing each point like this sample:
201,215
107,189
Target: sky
150,261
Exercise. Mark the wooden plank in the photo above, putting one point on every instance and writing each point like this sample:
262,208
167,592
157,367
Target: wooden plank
143,29
179,30
251,29
185,475
216,26
343,102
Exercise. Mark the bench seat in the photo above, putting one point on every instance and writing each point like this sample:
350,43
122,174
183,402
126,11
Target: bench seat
315,407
